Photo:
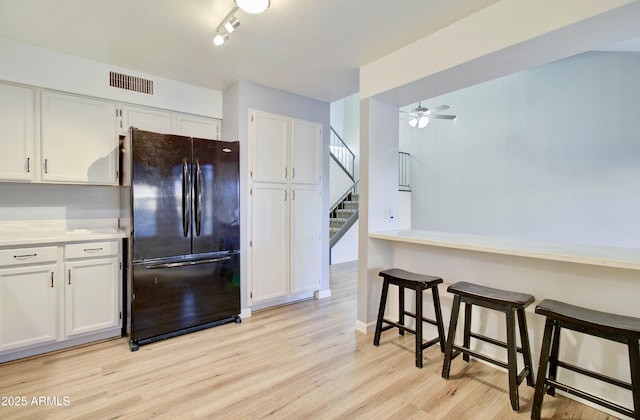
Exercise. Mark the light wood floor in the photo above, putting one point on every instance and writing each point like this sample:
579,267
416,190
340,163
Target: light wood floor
296,362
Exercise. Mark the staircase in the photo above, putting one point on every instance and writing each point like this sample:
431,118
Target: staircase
344,213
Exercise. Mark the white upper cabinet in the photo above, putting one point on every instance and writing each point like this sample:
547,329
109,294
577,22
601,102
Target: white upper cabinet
148,119
270,147
196,126
79,140
306,144
16,133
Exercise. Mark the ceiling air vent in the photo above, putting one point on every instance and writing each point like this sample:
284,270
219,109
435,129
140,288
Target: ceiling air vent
136,84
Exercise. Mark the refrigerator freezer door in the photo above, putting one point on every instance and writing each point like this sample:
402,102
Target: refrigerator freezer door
216,177
161,193
177,296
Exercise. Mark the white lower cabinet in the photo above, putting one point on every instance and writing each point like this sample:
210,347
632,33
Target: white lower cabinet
91,296
60,295
28,305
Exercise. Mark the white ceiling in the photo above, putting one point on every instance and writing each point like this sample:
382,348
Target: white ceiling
310,47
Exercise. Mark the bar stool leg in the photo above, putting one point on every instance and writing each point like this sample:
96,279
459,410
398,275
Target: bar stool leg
512,361
438,311
467,330
448,350
401,309
542,370
418,328
383,304
634,361
526,347
553,359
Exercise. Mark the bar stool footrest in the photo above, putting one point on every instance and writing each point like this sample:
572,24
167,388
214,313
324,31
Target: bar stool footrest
589,397
596,375
492,341
465,350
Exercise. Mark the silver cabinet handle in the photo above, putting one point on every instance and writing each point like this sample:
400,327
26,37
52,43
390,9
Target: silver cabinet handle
285,195
46,166
293,173
69,277
285,172
28,165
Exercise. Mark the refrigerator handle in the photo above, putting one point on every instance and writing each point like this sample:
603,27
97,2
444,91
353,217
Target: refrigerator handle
198,198
185,198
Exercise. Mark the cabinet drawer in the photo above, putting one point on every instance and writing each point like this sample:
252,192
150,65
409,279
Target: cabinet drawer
22,256
91,249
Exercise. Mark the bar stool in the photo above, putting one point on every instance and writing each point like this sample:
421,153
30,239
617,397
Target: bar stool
510,303
622,329
418,282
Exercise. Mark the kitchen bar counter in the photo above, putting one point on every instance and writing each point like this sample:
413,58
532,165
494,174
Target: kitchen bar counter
600,278
627,258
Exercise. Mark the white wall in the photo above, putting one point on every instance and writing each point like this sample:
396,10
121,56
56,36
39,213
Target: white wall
245,95
26,64
549,154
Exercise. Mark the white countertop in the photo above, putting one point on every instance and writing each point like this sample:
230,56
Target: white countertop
33,232
628,258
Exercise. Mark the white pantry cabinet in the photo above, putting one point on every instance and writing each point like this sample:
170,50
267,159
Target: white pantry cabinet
16,133
79,140
91,287
29,278
286,217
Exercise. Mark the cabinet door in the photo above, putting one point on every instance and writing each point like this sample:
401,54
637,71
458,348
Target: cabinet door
16,133
269,135
91,296
305,238
269,237
306,157
79,140
147,119
196,126
27,306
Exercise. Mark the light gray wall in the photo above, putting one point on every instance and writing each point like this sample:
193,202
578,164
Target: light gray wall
46,201
549,154
237,100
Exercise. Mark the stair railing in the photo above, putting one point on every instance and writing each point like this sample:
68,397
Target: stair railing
404,171
341,153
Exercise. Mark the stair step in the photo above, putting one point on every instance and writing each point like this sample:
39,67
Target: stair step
352,205
336,222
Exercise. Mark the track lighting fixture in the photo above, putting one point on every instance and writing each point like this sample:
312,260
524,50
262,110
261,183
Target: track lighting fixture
230,23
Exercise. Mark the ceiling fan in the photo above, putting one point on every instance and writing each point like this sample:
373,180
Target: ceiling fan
420,116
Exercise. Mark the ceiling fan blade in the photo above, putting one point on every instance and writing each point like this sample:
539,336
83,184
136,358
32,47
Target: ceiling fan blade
439,108
442,117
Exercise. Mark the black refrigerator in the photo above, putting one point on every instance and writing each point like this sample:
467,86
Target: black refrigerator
185,239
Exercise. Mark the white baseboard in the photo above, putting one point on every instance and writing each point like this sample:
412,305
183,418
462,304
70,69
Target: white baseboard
321,294
245,313
365,328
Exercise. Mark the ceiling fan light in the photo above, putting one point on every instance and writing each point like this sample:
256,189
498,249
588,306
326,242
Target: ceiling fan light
423,121
413,121
253,6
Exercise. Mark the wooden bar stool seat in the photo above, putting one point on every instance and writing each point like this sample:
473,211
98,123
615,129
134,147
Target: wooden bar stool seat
417,282
619,328
510,303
